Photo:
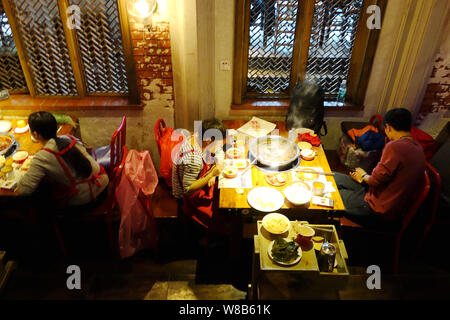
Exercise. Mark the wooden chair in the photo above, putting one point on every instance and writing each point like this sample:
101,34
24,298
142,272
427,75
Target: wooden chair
118,142
433,204
104,212
407,218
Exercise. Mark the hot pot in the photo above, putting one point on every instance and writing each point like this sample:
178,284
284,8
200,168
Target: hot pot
7,142
274,151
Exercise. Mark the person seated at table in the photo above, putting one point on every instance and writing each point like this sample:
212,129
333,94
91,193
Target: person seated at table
379,199
195,171
74,177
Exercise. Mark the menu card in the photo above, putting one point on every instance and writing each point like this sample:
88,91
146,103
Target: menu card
257,127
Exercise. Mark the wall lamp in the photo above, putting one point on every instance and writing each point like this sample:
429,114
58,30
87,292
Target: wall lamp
142,11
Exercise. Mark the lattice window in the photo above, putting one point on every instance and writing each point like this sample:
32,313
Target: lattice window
281,42
332,37
100,43
271,42
11,74
45,46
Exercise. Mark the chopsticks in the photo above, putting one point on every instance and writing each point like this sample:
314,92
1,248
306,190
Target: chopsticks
318,172
249,166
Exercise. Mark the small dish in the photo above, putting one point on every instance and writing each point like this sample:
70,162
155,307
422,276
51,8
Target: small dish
307,154
233,153
21,130
277,179
241,164
20,156
230,172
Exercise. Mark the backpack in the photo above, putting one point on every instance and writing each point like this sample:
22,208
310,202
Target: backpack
166,143
306,109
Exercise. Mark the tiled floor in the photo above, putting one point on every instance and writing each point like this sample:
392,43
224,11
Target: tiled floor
184,270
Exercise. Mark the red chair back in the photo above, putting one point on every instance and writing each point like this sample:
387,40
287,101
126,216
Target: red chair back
419,200
435,190
118,142
159,128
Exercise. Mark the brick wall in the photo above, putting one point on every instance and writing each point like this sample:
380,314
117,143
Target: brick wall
437,95
151,49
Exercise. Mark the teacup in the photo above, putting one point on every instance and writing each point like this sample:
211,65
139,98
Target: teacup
318,188
305,235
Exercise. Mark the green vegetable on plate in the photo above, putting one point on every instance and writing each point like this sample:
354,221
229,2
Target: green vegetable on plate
284,251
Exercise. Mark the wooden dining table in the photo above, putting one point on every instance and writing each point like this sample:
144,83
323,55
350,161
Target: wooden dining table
244,219
231,199
26,144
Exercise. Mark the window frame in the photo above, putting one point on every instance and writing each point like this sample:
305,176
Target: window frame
364,48
75,58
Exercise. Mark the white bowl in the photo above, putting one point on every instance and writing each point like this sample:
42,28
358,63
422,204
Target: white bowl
270,220
298,193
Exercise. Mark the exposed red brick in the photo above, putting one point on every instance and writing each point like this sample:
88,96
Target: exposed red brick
154,67
141,66
166,60
166,75
138,52
435,88
137,35
139,44
165,52
151,43
167,82
164,43
139,59
152,59
148,74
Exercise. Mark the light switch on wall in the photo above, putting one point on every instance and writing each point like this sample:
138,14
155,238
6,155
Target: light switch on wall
225,65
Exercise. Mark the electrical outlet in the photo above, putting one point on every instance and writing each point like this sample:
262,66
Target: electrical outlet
225,65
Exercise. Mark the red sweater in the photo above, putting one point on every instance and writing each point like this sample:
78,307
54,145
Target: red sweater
396,177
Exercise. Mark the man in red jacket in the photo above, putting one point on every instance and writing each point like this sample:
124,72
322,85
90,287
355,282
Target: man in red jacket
382,197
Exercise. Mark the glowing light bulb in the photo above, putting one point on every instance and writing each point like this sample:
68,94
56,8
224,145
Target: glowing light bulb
142,8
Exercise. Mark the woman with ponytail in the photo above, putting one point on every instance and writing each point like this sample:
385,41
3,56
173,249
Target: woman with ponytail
75,177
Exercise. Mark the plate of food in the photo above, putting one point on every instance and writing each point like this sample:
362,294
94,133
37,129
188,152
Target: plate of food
265,199
241,164
298,193
308,174
276,223
230,172
284,252
277,179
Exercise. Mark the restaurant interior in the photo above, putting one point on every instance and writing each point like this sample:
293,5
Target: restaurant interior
306,90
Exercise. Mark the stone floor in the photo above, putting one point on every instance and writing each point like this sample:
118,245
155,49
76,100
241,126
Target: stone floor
183,269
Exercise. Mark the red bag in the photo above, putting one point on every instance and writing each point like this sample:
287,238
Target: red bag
426,141
166,139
